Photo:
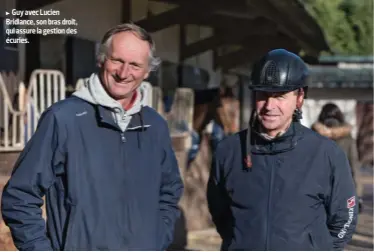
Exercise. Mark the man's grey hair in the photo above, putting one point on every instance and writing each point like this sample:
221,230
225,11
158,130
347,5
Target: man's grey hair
106,43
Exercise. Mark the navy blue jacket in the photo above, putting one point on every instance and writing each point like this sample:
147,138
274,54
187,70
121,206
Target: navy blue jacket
298,195
104,189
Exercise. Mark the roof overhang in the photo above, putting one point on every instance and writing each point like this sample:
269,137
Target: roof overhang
253,27
243,30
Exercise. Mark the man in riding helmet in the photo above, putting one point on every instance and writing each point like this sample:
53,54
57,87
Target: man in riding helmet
279,185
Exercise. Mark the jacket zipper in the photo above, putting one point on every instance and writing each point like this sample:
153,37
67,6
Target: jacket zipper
123,151
268,221
123,138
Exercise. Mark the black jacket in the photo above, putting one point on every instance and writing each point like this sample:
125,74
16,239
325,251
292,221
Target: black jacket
298,195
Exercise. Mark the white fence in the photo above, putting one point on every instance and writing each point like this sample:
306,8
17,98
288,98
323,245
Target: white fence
46,87
12,127
17,125
10,84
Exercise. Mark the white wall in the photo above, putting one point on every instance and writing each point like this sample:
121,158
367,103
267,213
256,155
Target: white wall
167,40
205,59
346,99
312,108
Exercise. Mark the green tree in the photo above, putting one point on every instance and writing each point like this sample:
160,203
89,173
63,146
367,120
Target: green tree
361,19
347,24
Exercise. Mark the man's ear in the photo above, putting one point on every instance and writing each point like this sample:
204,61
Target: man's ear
146,75
300,99
99,63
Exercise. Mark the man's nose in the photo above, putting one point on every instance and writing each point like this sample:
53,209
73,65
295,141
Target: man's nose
270,103
123,71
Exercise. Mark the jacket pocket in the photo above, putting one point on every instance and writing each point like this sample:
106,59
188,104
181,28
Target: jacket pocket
320,239
69,235
315,242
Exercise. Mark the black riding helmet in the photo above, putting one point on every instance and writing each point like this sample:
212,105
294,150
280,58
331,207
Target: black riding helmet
278,71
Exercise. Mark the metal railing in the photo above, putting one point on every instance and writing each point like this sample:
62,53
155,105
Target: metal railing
46,88
12,122
17,126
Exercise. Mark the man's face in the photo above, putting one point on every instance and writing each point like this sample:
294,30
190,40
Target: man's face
275,110
125,66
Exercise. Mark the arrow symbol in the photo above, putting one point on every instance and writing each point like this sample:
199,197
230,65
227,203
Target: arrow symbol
6,13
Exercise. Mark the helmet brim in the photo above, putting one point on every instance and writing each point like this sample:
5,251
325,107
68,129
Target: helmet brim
273,89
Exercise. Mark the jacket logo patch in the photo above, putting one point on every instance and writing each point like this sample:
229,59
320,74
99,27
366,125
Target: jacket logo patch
346,226
351,202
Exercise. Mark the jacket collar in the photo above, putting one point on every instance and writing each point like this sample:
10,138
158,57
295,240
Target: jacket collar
283,143
137,122
105,116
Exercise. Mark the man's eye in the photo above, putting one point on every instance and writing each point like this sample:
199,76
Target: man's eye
116,61
281,97
135,66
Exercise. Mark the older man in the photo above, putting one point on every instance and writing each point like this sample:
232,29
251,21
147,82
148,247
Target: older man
278,185
103,160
